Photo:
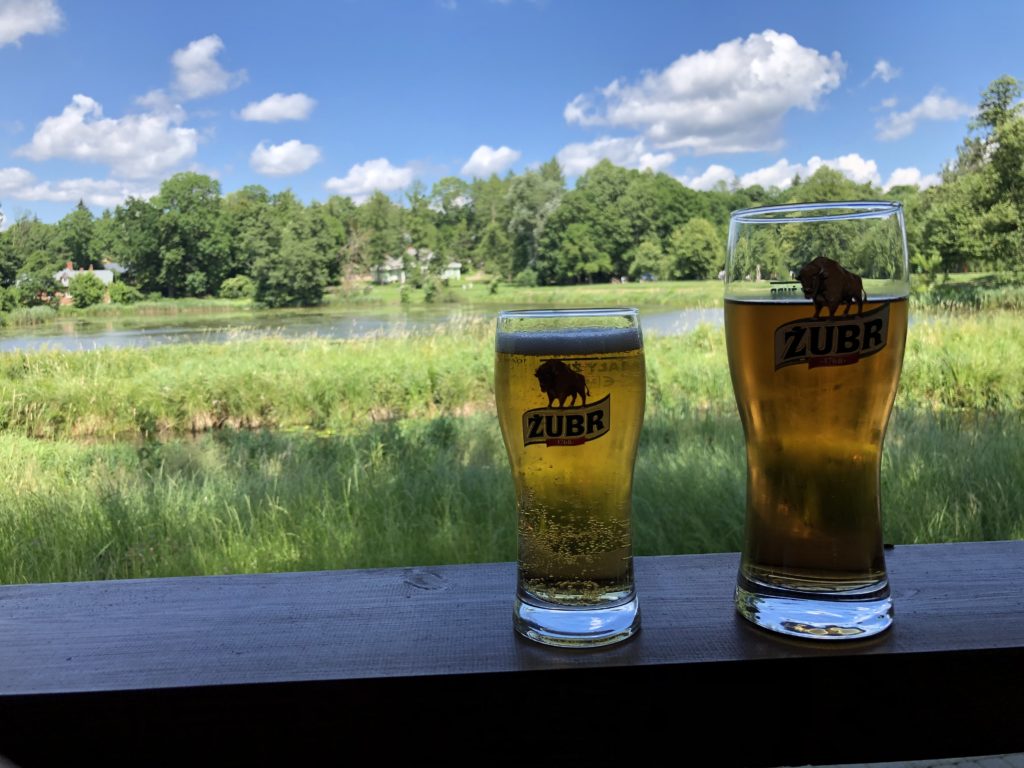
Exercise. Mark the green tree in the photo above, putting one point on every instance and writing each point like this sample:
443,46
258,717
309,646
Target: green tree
695,251
75,237
86,289
647,258
137,243
294,276
191,240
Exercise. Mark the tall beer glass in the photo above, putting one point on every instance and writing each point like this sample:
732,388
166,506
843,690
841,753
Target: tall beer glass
815,352
570,388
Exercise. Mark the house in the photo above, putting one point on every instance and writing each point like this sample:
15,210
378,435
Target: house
391,271
64,277
453,271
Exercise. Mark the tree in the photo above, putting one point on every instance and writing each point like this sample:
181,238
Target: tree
294,276
75,237
137,243
86,289
191,239
376,233
694,251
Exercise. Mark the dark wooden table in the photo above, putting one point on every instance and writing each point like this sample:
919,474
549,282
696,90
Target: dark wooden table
411,663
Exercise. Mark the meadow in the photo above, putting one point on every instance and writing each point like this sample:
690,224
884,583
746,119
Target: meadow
276,454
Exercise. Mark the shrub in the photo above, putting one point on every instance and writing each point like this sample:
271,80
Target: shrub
527,278
237,287
86,289
122,293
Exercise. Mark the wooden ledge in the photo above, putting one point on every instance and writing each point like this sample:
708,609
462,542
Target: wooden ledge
232,669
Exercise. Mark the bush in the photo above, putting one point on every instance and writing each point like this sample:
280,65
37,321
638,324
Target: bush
526,279
405,295
431,288
195,284
492,287
122,293
86,289
237,287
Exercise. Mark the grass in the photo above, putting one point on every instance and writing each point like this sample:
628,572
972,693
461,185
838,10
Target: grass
428,491
385,451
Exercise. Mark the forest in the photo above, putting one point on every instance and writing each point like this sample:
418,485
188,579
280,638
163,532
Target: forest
191,240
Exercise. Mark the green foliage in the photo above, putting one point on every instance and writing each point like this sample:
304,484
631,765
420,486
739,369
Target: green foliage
695,251
86,289
295,276
237,287
122,293
526,278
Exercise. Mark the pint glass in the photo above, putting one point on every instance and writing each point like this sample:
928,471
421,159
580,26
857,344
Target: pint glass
570,388
815,352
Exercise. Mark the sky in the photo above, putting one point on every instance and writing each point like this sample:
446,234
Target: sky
102,100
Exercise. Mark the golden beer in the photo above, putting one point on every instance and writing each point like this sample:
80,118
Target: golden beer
570,404
814,396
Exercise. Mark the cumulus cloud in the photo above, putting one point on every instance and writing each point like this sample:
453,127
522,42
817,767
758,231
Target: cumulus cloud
27,17
911,177
934,106
627,152
713,175
197,71
884,71
135,146
486,160
278,107
731,99
363,179
284,159
106,193
781,173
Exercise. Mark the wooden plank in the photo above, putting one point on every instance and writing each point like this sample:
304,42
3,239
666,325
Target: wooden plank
306,659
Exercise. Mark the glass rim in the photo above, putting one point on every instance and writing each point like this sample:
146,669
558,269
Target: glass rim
569,312
831,211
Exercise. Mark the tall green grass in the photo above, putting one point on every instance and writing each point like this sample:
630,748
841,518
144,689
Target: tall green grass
429,491
952,362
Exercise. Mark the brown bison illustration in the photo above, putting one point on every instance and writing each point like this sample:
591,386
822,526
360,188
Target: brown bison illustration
825,281
560,382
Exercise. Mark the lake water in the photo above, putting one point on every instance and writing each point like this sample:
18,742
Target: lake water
85,336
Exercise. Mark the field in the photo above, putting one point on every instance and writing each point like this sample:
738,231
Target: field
276,454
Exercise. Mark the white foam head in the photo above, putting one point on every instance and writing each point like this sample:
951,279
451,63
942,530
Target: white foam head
575,341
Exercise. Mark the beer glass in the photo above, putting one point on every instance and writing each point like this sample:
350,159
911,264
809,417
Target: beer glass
570,387
815,324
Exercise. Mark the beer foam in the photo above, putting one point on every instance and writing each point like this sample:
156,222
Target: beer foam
578,341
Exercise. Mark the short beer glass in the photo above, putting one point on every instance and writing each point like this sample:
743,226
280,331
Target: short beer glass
815,324
570,389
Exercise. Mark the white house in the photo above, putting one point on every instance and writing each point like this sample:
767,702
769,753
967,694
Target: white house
63,277
391,271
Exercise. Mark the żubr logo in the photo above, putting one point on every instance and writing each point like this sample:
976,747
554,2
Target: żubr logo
835,341
565,425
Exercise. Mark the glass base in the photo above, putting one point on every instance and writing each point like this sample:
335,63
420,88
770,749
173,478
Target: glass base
816,616
576,627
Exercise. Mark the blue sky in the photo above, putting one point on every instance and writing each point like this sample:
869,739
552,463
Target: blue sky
105,99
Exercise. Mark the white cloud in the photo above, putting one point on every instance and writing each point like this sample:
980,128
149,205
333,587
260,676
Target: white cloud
731,99
106,193
197,71
891,102
884,71
278,107
486,160
707,180
284,159
363,179
135,146
27,17
781,173
627,152
913,177
934,106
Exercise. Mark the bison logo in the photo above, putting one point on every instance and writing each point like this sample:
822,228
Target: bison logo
825,281
560,382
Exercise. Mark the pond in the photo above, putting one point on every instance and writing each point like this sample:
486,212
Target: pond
88,335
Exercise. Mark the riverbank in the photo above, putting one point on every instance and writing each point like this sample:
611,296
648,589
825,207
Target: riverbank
277,454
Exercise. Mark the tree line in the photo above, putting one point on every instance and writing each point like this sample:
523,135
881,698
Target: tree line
528,228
